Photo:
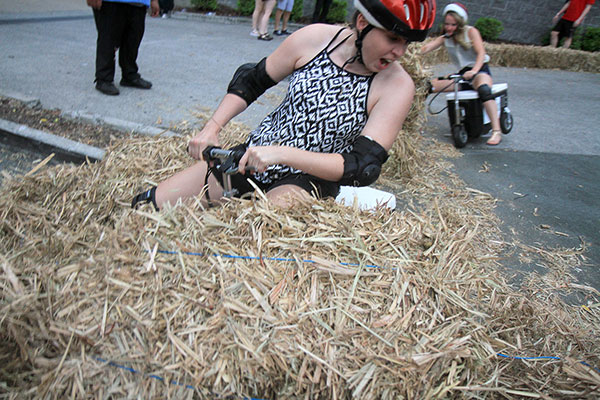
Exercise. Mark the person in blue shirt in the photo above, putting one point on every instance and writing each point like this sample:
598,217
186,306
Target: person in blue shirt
120,25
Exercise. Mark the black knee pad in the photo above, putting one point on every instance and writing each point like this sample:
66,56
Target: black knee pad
485,93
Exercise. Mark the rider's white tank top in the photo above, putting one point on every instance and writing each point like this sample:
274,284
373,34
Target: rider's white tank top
462,57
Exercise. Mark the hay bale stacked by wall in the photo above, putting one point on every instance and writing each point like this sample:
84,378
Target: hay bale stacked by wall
520,56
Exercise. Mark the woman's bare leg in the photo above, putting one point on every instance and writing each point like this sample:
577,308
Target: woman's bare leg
263,23
287,195
187,183
442,85
258,7
491,108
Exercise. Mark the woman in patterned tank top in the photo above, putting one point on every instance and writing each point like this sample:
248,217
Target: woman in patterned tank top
346,102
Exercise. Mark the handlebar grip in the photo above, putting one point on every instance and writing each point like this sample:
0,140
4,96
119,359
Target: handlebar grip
210,153
225,160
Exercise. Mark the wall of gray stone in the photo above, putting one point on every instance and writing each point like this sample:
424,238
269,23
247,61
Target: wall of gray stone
524,21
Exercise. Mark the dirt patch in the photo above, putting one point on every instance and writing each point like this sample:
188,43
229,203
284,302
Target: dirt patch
51,121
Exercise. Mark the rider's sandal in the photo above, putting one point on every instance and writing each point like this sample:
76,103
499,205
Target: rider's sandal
265,36
495,139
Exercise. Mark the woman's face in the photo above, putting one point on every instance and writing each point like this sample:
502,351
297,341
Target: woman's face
381,48
450,24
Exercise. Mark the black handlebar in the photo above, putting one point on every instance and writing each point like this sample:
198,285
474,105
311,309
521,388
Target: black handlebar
455,77
225,160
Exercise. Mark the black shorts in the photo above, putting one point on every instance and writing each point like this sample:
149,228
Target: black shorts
564,28
317,187
485,69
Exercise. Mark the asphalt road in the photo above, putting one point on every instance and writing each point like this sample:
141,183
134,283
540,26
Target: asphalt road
545,173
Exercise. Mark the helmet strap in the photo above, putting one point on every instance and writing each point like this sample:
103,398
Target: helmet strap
359,43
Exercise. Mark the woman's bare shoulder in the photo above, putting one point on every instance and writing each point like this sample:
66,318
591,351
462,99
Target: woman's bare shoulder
307,42
395,75
393,84
316,35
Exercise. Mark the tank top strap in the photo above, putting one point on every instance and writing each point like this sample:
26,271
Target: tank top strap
333,40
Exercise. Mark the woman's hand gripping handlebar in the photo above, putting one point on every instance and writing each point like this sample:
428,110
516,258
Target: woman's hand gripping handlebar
225,161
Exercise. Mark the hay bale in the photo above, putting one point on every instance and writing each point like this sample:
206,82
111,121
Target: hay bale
318,301
527,56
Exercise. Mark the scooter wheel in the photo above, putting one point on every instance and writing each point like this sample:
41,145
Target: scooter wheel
460,136
506,122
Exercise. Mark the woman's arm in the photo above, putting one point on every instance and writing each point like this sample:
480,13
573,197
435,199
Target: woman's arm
328,166
582,16
299,46
391,98
434,44
562,10
477,43
230,106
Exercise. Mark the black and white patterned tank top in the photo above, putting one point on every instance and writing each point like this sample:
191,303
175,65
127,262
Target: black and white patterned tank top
324,110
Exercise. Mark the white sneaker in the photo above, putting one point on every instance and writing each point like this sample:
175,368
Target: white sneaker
254,33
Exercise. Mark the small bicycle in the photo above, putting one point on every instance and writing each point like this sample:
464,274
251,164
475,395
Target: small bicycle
468,119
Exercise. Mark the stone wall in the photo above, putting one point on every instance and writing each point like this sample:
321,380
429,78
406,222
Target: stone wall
525,21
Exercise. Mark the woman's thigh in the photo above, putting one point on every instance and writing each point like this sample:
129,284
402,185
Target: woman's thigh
442,85
287,195
269,5
482,78
188,183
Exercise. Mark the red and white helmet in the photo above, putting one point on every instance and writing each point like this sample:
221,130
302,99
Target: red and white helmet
457,8
411,19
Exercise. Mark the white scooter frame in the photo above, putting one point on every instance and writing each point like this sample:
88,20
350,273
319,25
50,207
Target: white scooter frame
468,118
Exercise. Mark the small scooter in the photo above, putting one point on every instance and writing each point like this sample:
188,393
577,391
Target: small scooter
225,161
468,119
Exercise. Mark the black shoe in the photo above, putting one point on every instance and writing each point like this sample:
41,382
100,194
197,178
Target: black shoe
108,88
286,32
265,36
136,83
277,32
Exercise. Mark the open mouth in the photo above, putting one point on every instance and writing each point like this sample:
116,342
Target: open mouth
385,62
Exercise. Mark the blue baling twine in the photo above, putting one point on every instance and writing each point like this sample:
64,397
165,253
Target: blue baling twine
113,364
543,358
233,256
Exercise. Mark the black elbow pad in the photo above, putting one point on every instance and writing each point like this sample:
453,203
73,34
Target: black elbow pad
362,165
250,81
